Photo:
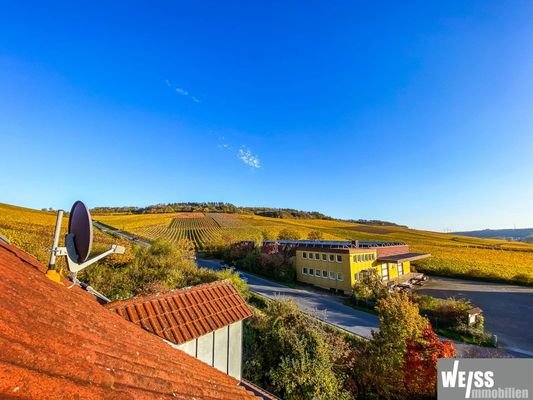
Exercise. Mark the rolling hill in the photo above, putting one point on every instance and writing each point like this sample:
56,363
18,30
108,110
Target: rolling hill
452,255
33,231
521,234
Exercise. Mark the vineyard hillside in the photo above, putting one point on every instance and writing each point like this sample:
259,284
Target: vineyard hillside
33,231
452,255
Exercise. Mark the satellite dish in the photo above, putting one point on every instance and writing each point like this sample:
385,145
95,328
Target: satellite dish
81,227
78,242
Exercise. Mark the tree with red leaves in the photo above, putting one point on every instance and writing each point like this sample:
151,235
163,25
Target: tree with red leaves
420,362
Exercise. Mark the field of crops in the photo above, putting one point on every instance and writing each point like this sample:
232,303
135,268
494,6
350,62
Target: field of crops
452,255
33,230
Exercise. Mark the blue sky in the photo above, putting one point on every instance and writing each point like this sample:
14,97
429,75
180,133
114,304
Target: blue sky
415,112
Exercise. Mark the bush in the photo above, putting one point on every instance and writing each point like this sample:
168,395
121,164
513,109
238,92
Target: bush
292,355
315,235
444,313
160,267
275,266
289,234
370,289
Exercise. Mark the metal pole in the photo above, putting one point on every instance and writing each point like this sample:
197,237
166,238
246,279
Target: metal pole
52,264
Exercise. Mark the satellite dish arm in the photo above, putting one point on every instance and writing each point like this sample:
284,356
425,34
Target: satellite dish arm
72,256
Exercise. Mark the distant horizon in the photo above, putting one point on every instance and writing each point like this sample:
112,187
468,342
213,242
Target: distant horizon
414,113
67,208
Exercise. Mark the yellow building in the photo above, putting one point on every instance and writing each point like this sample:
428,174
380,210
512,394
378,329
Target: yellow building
337,267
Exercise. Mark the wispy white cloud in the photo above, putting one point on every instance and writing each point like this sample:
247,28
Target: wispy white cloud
250,159
224,146
182,91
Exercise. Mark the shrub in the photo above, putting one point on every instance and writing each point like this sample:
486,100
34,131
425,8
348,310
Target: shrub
289,234
315,235
292,355
160,267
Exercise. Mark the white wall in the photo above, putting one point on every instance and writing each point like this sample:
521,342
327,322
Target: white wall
221,349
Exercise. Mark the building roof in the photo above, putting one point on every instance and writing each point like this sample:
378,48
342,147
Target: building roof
336,250
60,343
403,257
332,243
185,314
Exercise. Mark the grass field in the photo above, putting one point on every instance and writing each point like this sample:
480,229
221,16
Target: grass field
452,255
33,231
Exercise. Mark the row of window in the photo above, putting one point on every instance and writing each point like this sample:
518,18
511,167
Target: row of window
364,257
323,257
323,274
337,257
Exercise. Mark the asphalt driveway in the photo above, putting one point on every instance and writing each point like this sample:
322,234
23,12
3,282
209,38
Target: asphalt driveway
508,309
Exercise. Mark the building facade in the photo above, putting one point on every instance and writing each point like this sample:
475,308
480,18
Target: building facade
338,265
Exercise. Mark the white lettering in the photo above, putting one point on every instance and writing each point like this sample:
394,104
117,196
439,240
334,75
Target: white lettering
489,379
449,378
469,384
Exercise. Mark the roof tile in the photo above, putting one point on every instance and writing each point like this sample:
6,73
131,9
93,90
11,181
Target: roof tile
60,343
187,313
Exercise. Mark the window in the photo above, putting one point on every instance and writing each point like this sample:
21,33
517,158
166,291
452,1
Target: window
384,272
359,258
331,257
310,256
400,268
311,271
325,274
339,258
317,272
304,255
324,257
317,256
354,258
304,271
339,276
331,275
367,257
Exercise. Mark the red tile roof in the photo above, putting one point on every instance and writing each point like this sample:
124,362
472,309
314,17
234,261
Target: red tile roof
59,343
185,314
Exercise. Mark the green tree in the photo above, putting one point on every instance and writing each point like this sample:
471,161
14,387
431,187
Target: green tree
162,266
369,287
289,234
291,355
268,235
315,235
379,366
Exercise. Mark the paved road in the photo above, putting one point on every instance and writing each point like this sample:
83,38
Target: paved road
322,305
508,309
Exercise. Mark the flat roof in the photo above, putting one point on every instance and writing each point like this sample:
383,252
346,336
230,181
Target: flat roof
338,250
355,244
403,257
